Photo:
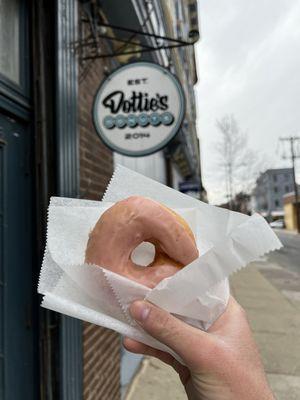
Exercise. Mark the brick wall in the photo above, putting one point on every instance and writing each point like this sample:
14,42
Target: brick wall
101,347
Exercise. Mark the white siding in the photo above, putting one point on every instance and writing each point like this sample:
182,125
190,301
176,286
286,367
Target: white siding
152,166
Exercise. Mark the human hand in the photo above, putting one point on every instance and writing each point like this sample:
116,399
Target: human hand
220,364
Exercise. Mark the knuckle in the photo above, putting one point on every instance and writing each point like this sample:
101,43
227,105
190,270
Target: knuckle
161,323
160,319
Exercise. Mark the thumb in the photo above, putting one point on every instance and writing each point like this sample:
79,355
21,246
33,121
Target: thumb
185,340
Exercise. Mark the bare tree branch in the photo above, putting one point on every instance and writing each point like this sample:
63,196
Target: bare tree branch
240,164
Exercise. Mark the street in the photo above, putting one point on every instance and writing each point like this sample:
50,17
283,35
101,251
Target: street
282,268
289,256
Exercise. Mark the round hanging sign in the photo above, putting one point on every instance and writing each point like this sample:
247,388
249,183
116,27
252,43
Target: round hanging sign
138,109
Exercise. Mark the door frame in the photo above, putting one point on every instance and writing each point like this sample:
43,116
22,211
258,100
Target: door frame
71,363
57,173
51,111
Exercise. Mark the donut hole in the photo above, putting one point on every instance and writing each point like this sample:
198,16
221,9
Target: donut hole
143,254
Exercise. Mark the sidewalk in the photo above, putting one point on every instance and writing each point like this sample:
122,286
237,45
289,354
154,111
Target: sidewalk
288,231
271,297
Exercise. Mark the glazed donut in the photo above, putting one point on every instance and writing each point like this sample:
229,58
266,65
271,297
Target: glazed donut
129,222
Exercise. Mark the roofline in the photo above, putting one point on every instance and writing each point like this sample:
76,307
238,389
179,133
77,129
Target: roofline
277,170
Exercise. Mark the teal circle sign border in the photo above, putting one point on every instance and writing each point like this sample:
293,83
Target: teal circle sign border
173,132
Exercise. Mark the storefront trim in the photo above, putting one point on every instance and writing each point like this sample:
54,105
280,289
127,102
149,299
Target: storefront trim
70,359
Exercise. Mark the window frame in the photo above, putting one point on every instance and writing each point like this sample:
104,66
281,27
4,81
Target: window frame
11,91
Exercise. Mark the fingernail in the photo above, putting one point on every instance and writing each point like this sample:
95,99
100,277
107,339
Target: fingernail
139,310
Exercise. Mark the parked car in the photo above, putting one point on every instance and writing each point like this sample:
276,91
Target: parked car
278,224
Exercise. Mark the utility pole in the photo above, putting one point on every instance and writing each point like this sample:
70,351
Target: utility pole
293,140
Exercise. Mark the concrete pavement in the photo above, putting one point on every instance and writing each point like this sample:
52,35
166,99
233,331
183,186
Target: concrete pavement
156,381
275,321
289,256
271,296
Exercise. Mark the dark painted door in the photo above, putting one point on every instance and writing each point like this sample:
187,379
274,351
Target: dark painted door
17,342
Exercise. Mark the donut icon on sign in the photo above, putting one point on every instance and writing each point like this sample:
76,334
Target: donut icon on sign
143,120
167,118
109,122
155,119
132,121
121,121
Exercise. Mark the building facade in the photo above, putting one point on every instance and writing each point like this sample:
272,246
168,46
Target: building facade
53,57
268,193
291,211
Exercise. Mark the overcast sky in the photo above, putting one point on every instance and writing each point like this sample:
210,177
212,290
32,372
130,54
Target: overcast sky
248,61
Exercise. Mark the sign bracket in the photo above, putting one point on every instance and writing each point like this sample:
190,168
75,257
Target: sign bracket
131,45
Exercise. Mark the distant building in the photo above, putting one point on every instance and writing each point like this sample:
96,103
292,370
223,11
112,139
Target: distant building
290,211
241,203
271,186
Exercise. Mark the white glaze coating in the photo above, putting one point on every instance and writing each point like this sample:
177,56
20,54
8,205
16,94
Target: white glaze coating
132,221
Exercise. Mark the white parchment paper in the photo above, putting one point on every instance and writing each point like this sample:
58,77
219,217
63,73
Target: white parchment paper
198,293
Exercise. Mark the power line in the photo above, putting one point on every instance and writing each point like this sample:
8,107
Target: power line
293,141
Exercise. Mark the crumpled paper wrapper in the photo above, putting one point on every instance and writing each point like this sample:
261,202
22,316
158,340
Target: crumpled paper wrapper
198,293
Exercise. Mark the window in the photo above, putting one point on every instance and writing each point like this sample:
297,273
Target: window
9,40
276,203
193,7
275,189
14,51
275,178
194,20
286,188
